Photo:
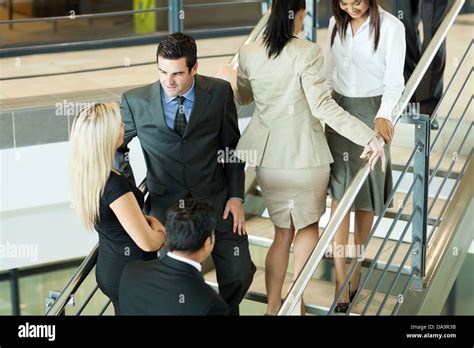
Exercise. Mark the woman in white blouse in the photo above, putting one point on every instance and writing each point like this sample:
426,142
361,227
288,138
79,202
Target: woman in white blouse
364,69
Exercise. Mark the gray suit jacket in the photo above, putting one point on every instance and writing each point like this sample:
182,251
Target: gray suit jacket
188,166
291,100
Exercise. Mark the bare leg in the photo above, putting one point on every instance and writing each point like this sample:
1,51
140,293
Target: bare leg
276,265
339,247
363,225
305,241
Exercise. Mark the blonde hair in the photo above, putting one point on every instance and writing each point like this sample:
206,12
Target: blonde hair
93,142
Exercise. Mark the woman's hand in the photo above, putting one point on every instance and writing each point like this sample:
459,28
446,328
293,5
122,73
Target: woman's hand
227,73
372,152
384,127
155,224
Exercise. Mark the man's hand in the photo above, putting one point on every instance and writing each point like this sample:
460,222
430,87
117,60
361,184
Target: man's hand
384,127
235,207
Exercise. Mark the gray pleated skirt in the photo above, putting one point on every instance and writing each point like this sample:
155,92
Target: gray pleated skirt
378,186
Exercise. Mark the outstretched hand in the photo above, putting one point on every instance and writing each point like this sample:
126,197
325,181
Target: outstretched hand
227,73
372,152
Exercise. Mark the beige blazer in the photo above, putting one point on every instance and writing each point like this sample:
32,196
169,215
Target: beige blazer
291,100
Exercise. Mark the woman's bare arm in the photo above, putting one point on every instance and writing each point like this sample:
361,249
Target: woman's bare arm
131,218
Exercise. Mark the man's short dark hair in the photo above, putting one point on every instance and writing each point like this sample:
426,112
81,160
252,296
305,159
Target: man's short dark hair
176,46
188,224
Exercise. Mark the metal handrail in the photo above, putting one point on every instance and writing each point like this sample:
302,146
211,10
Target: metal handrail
453,161
389,261
405,288
453,213
451,166
296,291
400,239
141,39
374,229
395,279
88,264
347,199
435,112
445,205
435,170
427,58
381,247
215,4
80,275
89,297
57,308
84,16
123,13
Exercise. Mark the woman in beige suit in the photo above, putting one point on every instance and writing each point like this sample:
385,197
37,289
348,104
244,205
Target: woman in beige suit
285,76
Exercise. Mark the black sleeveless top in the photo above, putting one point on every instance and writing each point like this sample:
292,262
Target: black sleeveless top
116,247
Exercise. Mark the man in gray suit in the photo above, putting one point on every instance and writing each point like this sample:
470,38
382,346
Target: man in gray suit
183,121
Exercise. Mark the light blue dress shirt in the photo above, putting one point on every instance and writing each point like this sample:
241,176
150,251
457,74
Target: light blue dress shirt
170,105
170,108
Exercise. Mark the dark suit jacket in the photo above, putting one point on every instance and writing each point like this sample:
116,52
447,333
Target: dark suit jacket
167,287
185,167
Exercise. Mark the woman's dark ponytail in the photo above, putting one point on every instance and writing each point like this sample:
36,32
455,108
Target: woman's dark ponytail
281,25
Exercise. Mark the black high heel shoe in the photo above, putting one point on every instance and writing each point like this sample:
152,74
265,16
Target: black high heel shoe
344,306
352,294
341,308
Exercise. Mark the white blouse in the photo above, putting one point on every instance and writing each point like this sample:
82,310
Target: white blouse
354,70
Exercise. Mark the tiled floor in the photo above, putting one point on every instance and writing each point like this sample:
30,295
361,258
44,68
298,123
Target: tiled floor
74,61
458,38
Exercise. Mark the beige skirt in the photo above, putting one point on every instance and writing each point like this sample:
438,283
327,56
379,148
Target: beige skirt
294,194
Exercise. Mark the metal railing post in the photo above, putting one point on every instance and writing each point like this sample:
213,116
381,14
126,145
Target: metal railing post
10,13
175,8
15,291
420,195
265,6
315,20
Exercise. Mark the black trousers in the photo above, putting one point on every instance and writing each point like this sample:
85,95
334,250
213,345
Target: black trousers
234,267
431,13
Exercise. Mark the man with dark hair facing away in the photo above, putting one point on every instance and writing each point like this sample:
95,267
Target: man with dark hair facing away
174,284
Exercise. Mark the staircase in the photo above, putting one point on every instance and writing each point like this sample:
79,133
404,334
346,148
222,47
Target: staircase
409,265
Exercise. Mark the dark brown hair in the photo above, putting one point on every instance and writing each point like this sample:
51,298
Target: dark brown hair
281,25
343,19
176,46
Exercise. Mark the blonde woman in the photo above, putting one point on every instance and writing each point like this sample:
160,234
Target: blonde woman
104,199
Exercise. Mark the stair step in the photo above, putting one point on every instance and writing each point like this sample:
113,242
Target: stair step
260,232
319,294
407,211
400,156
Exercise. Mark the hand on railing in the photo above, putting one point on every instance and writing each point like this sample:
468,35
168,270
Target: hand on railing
384,127
373,151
